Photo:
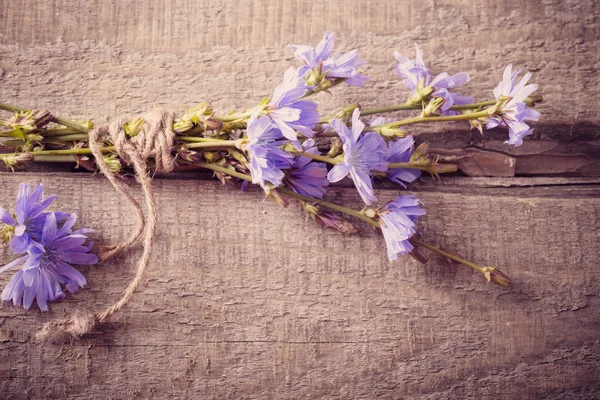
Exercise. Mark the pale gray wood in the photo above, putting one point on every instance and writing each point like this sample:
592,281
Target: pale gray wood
246,300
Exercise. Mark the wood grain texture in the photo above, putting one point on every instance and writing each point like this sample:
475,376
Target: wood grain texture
246,300
237,304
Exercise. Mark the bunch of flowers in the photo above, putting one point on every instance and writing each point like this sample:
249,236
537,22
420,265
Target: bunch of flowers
284,145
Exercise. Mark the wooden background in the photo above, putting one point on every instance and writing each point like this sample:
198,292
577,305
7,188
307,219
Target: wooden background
247,300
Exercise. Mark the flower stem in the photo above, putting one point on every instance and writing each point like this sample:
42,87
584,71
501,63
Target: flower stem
84,150
422,119
530,101
58,158
291,193
65,122
332,206
234,117
452,257
316,157
214,144
199,139
407,165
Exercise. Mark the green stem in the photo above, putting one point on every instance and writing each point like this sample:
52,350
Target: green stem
234,117
106,149
421,119
215,144
407,165
441,252
65,122
530,101
291,193
223,170
331,206
58,158
199,139
67,138
316,157
331,84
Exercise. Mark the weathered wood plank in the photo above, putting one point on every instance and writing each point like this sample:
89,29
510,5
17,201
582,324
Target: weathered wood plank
238,304
245,300
121,57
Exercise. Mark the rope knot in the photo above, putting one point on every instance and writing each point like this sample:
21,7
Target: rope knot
154,139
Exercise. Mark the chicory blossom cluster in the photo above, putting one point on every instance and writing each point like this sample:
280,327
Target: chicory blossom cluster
324,66
398,224
288,148
290,119
419,80
46,245
364,154
512,111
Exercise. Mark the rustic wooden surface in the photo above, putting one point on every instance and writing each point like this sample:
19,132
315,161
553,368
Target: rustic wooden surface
246,300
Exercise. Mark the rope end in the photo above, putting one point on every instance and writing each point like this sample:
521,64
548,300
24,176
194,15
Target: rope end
65,330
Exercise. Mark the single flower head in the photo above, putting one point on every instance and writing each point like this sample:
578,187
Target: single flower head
289,112
363,153
47,265
308,177
400,151
267,159
323,64
512,111
26,226
418,79
398,219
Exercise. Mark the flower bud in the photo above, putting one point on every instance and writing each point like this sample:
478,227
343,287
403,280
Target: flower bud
444,168
495,275
199,115
182,125
433,106
370,212
332,221
421,96
390,132
336,147
290,148
29,120
212,124
279,199
85,162
113,163
34,137
18,160
327,219
418,254
7,232
238,156
212,156
133,127
346,113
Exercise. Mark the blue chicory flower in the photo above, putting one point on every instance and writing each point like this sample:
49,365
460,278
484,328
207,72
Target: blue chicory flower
30,217
267,159
308,177
418,77
400,151
397,220
322,61
289,112
514,111
363,153
47,264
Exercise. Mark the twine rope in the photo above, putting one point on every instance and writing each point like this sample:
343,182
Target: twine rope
155,139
